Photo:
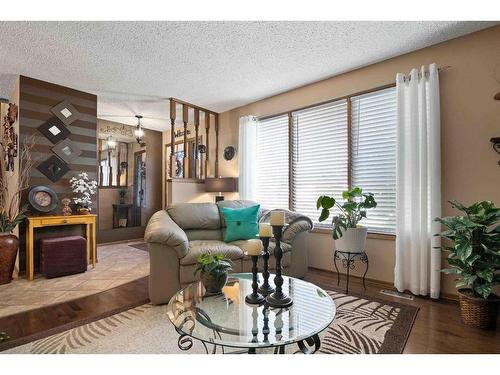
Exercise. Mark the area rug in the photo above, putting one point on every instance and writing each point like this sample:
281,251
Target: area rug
361,326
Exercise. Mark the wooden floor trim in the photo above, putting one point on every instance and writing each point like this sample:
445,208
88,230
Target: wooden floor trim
383,284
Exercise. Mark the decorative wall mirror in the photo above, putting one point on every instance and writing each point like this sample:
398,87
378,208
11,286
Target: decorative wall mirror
113,163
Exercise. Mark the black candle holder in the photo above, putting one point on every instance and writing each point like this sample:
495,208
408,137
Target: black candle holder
265,289
278,298
265,327
254,298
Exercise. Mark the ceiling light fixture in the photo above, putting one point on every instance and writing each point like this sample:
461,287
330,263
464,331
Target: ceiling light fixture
139,132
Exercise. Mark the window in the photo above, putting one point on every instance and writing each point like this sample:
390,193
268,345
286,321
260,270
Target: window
343,143
374,155
319,163
272,168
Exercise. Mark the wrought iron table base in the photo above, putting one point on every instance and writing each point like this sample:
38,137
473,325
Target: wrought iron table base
309,345
348,258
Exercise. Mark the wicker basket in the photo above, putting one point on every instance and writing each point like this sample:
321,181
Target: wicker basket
478,312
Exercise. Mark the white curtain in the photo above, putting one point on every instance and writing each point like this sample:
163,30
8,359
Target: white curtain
247,157
418,187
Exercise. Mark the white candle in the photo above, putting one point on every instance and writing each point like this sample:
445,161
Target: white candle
265,230
277,218
253,247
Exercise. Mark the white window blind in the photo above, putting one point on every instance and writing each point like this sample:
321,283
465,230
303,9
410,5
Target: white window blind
374,155
272,168
319,165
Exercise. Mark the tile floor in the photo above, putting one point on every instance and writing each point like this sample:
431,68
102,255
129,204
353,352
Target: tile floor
118,264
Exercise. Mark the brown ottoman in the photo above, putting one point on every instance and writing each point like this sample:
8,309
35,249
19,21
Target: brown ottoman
63,256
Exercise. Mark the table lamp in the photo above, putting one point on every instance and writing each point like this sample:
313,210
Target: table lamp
220,185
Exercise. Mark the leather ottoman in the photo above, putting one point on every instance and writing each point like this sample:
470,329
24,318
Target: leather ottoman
62,256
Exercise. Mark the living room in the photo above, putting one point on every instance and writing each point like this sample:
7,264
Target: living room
336,201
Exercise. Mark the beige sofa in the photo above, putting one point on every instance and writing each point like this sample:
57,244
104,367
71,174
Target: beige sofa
178,235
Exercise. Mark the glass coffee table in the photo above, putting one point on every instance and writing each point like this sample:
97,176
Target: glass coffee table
226,321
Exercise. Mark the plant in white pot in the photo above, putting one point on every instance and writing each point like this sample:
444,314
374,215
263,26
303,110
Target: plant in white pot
347,233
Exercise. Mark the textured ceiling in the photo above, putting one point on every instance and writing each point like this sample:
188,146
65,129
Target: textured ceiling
134,66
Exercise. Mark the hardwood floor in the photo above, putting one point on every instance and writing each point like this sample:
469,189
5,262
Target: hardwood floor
33,324
437,328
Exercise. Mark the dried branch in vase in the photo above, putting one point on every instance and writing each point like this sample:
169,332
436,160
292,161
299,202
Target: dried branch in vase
11,214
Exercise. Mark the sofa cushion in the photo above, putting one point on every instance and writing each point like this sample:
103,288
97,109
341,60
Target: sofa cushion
195,215
241,223
198,247
204,234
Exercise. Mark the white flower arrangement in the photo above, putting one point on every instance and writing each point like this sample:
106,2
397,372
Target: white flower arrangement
85,188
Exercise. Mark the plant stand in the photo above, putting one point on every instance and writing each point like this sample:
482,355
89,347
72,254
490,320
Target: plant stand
348,258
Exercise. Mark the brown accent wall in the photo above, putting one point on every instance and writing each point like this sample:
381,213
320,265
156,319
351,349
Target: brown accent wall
469,118
36,99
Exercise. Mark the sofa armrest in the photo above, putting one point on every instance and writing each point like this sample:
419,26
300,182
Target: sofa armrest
163,230
295,227
297,223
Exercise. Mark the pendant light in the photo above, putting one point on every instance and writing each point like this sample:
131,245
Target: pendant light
139,132
110,141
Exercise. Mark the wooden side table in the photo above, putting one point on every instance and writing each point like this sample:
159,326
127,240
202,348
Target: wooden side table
53,221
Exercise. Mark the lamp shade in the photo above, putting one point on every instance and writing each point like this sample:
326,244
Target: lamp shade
221,184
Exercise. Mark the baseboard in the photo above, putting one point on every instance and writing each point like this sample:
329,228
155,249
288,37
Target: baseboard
385,284
122,241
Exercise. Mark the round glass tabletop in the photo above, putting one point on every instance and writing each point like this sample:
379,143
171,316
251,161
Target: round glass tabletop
227,320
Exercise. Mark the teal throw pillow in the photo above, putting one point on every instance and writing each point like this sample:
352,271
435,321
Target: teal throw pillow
241,223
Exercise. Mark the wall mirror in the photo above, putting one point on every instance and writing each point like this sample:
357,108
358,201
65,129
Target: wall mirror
113,163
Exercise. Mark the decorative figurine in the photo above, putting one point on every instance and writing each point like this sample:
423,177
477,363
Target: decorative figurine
66,210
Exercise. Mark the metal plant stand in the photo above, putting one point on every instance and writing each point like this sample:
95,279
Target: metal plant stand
348,258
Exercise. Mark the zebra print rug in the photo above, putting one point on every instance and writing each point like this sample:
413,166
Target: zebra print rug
361,326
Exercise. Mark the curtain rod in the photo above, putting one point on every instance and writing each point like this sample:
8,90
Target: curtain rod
407,78
382,87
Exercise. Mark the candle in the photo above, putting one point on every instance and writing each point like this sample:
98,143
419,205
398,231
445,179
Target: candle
253,247
277,218
265,230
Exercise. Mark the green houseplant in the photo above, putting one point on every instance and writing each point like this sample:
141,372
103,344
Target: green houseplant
213,270
474,257
347,233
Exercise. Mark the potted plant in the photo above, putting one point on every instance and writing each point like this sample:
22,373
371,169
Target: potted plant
474,257
347,233
84,187
214,269
11,214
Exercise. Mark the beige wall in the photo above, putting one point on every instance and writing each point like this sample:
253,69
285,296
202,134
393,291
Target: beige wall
469,118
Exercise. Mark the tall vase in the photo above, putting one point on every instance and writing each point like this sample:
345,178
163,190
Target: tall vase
8,253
